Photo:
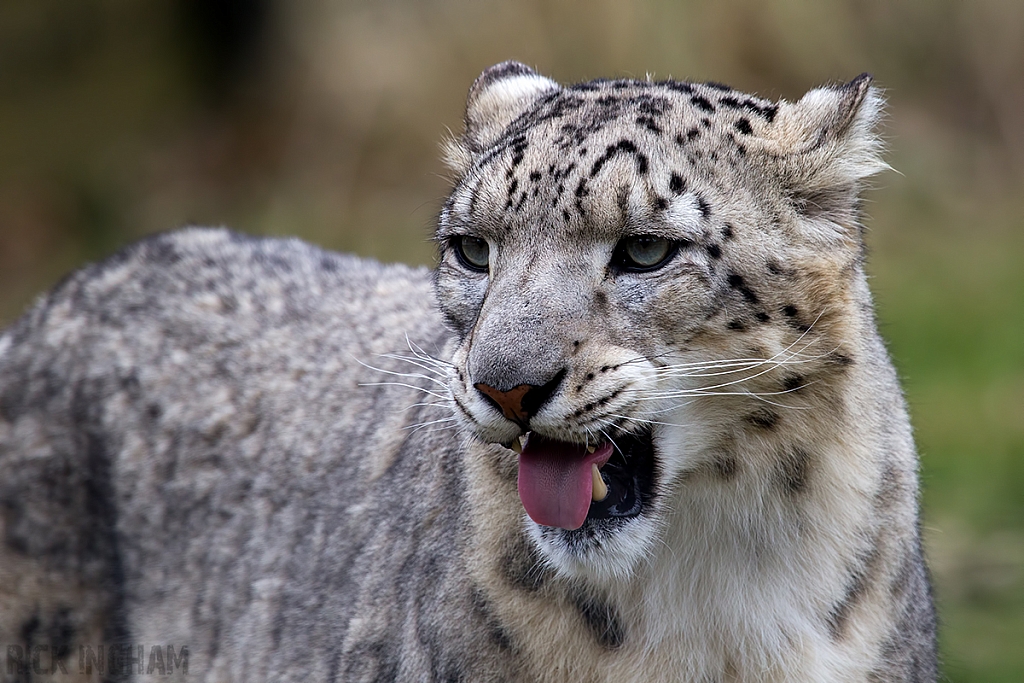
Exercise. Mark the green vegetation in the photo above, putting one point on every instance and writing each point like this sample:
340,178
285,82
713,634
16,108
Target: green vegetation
322,119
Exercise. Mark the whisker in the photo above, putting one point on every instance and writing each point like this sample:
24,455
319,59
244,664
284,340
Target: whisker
403,384
644,420
416,362
430,422
418,351
414,375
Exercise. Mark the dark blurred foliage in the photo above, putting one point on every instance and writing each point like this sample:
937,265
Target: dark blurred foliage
322,119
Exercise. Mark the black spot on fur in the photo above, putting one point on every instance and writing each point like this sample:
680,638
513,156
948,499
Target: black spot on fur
702,103
705,208
890,488
676,184
725,465
523,568
648,123
840,359
794,465
715,85
762,418
737,325
793,382
766,111
714,251
535,176
623,146
692,134
601,619
737,283
581,192
857,586
743,126
727,232
661,203
677,86
774,268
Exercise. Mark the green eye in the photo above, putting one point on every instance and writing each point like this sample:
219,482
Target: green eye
473,252
644,252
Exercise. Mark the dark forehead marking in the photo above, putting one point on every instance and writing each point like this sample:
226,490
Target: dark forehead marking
702,103
621,147
649,123
765,110
715,85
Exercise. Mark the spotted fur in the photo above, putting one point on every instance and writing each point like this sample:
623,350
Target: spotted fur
283,458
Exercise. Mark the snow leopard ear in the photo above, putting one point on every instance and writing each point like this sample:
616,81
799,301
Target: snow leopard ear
497,97
827,146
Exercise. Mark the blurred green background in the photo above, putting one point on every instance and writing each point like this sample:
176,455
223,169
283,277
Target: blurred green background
322,119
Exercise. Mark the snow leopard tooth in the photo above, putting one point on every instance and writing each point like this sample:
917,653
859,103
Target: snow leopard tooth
600,488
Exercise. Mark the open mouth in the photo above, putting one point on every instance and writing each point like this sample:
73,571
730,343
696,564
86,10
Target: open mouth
565,484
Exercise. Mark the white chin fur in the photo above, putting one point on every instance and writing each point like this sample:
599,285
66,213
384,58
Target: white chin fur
606,558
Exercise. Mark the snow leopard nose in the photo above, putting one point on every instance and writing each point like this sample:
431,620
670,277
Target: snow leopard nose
522,402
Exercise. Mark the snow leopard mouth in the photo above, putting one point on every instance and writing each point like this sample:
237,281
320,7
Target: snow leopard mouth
570,486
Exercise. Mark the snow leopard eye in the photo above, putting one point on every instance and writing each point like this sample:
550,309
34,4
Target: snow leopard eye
643,252
473,252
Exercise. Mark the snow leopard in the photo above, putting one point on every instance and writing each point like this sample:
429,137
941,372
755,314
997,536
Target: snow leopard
637,424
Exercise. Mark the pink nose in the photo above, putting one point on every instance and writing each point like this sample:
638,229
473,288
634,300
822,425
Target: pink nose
510,402
521,402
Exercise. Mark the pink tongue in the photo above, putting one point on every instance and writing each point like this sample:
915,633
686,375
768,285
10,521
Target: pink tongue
555,483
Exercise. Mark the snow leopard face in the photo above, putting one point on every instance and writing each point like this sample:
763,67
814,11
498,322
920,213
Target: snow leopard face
633,268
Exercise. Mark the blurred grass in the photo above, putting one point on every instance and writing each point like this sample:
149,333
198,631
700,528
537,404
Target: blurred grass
322,119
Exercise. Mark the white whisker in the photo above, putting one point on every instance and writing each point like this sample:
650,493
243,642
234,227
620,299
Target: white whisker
403,384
